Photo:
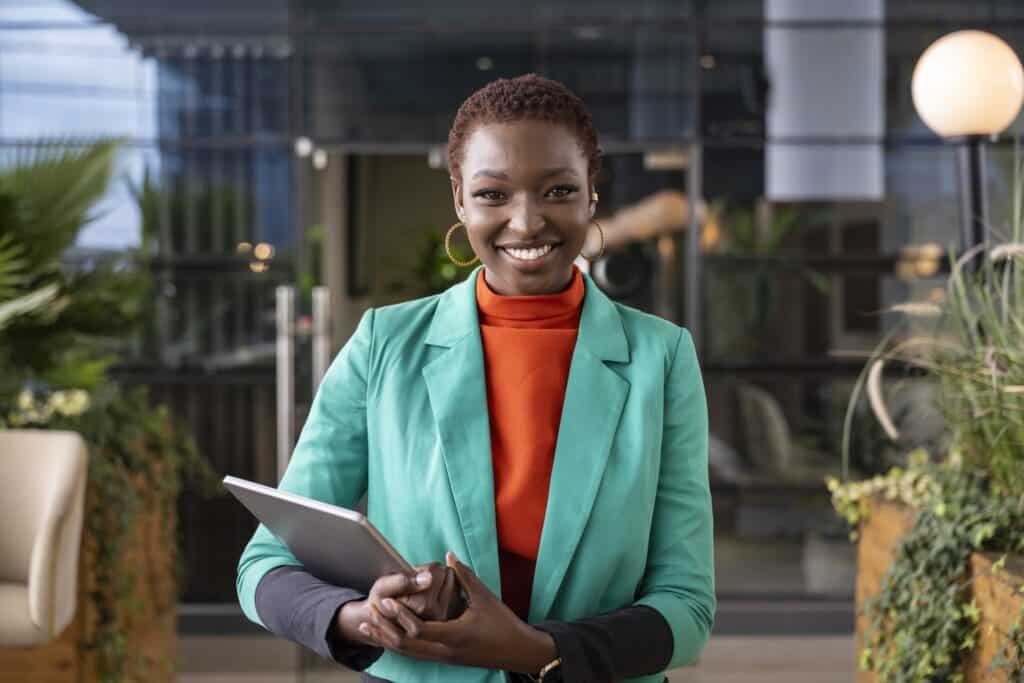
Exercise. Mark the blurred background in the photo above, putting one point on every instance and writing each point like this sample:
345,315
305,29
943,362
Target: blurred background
767,183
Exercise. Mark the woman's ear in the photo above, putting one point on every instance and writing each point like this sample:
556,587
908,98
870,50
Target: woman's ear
592,204
460,210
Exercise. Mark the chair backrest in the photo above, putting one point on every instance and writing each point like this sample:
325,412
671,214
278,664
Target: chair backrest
768,440
41,471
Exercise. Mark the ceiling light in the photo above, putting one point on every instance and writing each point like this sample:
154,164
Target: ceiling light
303,147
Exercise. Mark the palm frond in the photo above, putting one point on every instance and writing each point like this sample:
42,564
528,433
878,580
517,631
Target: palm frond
148,198
78,370
27,303
59,323
13,267
57,186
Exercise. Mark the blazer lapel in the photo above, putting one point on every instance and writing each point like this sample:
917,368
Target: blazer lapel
456,385
594,399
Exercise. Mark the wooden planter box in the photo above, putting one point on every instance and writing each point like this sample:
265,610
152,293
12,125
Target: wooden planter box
879,536
998,599
150,625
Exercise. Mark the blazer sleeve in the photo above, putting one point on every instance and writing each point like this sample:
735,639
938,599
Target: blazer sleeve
329,462
679,579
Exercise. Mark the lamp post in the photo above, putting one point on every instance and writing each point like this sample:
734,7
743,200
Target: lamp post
968,85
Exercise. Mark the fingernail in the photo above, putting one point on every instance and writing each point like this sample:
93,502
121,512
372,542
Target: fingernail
423,578
389,604
364,628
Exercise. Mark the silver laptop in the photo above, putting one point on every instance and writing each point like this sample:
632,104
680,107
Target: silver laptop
335,544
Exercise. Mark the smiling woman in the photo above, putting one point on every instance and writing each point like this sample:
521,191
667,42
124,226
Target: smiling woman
548,444
525,199
523,156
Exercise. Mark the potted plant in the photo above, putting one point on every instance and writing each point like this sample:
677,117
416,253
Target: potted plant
940,587
63,321
750,299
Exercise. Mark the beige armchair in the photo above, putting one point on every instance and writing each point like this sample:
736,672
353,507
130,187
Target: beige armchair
42,499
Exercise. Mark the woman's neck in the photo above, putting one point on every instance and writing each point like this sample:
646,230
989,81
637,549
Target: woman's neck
501,290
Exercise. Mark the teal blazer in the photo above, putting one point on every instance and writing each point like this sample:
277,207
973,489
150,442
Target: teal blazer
402,415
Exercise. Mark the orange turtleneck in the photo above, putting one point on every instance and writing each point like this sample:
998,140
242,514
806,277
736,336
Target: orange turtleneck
528,343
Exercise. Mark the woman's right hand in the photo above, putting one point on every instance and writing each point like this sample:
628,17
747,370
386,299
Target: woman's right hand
432,594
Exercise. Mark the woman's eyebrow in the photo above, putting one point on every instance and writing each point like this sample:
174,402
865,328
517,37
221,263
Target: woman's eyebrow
493,174
546,174
556,171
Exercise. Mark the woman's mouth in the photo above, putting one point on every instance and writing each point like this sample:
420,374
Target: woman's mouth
531,256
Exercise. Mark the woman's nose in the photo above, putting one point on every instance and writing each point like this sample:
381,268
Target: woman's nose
526,217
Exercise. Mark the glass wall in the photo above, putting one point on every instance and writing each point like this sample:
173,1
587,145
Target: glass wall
242,122
205,174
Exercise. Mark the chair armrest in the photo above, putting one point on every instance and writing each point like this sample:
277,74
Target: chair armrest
53,569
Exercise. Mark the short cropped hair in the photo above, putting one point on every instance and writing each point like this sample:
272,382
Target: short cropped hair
528,97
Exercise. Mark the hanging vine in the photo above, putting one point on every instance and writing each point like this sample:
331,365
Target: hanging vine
138,457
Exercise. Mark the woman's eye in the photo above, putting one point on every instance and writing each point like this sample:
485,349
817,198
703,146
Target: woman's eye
489,195
562,191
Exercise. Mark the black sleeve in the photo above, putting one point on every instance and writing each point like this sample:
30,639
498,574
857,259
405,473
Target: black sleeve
296,605
633,641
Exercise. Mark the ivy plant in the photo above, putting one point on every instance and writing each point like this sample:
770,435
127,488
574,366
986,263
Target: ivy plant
923,623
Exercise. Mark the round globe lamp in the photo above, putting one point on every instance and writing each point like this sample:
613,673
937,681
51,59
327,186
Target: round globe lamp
967,86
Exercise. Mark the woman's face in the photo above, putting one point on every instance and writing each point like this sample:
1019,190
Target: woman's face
524,197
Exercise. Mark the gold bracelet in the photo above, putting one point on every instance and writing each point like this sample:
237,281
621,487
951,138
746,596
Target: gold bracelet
548,667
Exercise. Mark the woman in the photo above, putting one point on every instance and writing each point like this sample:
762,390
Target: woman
555,442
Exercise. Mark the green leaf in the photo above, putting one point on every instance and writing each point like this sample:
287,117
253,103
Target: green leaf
75,371
26,304
865,660
971,611
13,267
983,533
56,188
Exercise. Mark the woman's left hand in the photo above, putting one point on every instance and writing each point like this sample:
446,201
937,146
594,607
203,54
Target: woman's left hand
488,634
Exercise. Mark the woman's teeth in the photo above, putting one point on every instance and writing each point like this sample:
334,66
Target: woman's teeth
528,254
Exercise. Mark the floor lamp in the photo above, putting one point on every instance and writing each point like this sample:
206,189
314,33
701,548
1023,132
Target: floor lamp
967,86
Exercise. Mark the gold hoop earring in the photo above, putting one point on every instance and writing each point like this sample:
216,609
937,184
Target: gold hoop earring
448,246
600,253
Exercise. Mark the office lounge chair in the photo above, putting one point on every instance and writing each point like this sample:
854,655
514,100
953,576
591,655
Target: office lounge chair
776,456
42,498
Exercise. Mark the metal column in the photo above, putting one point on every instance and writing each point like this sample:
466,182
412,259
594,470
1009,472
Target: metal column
321,334
285,351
